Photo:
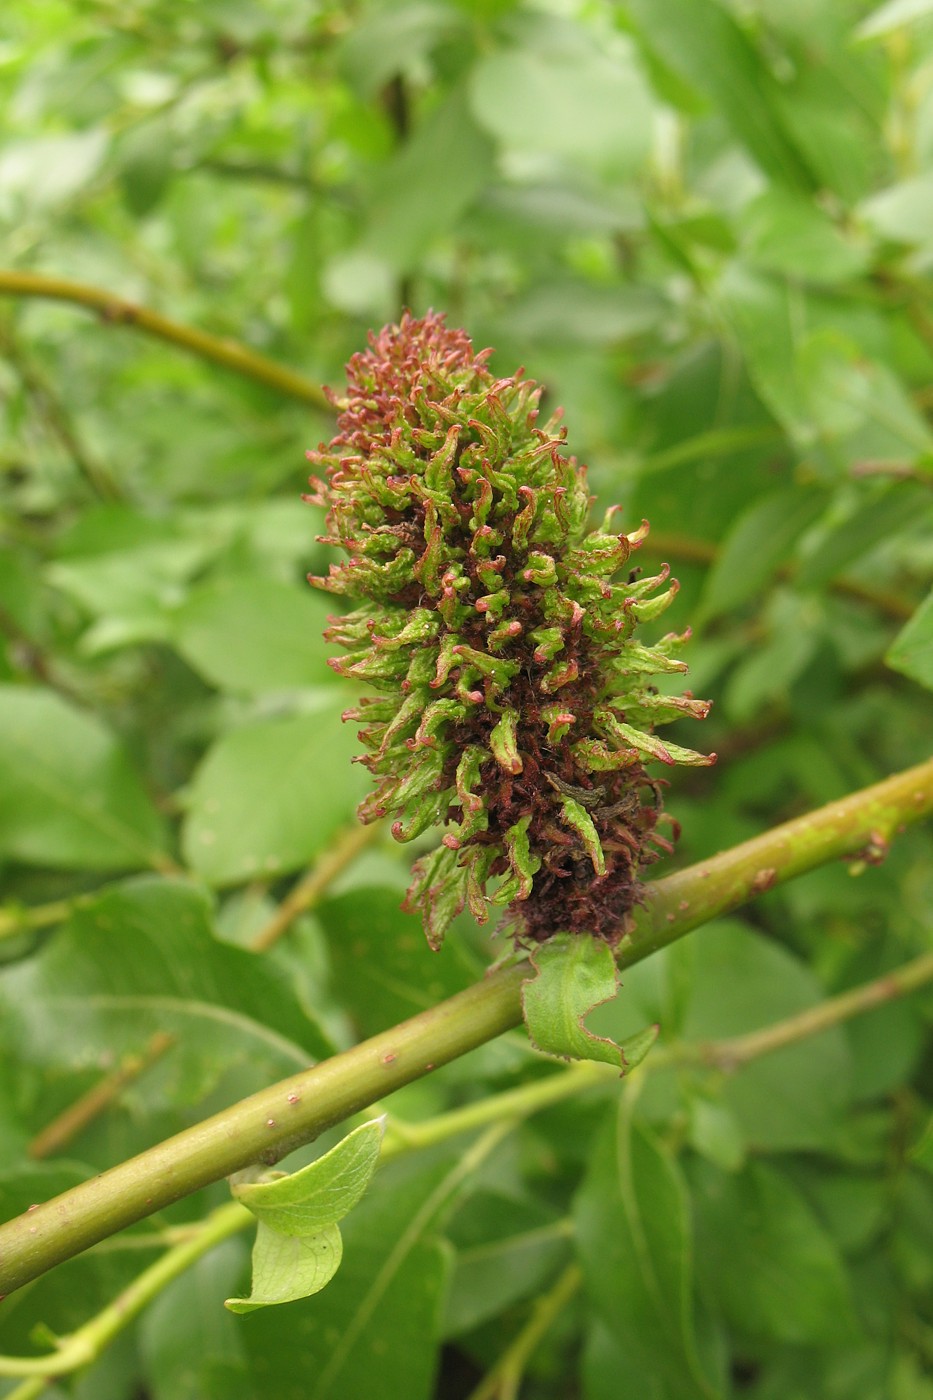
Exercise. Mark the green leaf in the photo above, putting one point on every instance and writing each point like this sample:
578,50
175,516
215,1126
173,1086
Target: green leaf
911,652
787,234
594,110
317,1196
253,633
853,529
634,1236
383,969
794,1097
383,43
288,1267
269,796
703,43
759,542
495,1274
922,1154
796,631
131,592
859,403
68,793
422,192
40,173
892,15
189,1346
574,974
142,957
144,158
766,1259
381,1314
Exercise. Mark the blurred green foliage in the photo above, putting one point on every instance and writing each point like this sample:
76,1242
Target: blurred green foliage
707,226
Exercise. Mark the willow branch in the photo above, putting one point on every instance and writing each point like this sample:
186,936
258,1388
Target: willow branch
86,1344
271,1123
513,1105
860,826
117,312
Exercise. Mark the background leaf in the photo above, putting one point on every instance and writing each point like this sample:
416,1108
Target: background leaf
912,650
68,793
269,796
634,1234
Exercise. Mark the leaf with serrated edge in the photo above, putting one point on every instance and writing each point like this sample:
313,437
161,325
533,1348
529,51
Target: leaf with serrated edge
575,974
286,1268
313,1199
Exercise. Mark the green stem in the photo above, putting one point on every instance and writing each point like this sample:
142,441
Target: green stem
307,892
15,919
861,826
402,1137
730,1055
85,1345
269,1124
79,1114
115,311
503,1381
503,1109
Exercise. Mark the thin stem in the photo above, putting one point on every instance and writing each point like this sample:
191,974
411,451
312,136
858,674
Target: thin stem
53,413
687,550
503,1381
309,889
16,920
402,1137
117,312
731,1054
503,1109
271,1123
76,1117
85,1345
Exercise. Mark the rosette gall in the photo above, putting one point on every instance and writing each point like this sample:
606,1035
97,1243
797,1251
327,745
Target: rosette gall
513,703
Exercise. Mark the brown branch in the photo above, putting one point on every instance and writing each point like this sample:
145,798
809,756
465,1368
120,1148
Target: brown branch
117,312
731,1054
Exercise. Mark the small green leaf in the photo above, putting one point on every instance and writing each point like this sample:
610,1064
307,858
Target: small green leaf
575,974
286,1267
922,1154
315,1198
579,819
912,649
594,111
